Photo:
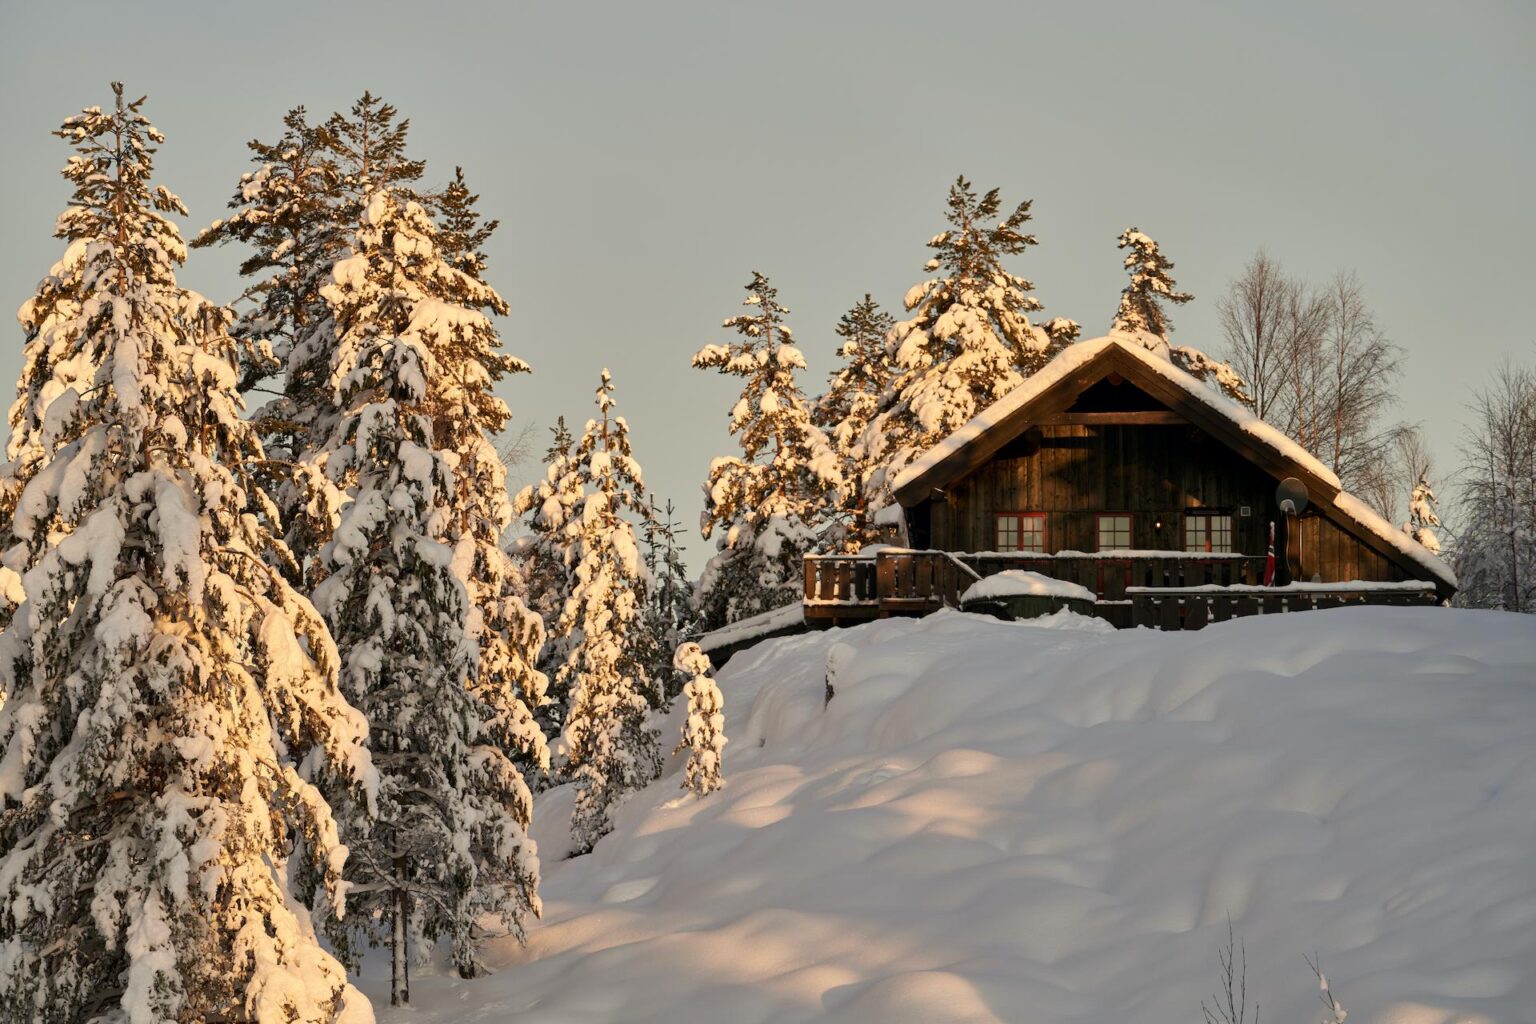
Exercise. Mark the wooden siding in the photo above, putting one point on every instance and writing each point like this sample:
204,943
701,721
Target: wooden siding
1072,471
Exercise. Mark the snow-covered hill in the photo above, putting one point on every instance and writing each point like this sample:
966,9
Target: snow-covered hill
1004,822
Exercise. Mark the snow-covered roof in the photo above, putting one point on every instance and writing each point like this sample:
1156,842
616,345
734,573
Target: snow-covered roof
1023,583
773,621
1258,433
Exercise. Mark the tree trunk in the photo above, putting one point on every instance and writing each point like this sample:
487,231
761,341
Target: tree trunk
400,976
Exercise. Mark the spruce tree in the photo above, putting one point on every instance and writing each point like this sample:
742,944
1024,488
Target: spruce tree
448,842
852,399
1423,520
969,340
1151,285
704,728
1141,315
551,510
162,680
52,368
610,749
767,502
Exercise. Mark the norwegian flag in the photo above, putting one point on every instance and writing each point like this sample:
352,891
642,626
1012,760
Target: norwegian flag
1269,559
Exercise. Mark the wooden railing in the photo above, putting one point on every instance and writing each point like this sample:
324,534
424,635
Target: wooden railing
1110,575
1194,608
921,580
1162,590
896,579
840,580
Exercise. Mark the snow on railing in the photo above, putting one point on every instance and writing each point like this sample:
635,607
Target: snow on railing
1196,607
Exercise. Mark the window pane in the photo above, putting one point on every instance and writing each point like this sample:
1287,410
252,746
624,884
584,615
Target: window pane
1114,532
1007,533
1032,534
1221,533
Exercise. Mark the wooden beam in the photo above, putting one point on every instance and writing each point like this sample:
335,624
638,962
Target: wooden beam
1149,418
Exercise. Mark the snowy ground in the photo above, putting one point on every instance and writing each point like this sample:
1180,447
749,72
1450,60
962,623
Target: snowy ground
1002,822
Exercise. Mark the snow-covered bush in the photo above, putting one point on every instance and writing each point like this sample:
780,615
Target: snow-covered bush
704,729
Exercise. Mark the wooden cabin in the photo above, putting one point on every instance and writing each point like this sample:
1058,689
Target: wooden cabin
1114,469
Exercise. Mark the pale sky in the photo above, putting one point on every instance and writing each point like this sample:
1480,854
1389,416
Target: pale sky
645,158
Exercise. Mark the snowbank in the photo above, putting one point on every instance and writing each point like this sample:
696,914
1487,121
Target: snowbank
1020,582
1000,822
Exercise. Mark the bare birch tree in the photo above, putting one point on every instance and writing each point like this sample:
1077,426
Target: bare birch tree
1253,316
1495,548
1319,368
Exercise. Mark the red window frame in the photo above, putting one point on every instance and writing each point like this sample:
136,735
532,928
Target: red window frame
1130,529
1019,518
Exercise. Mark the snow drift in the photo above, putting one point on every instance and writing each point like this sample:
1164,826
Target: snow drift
1003,822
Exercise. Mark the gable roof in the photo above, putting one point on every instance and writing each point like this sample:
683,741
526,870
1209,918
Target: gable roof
1054,388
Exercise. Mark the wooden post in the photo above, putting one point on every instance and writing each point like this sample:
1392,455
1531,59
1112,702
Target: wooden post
1198,614
1221,608
885,577
1168,614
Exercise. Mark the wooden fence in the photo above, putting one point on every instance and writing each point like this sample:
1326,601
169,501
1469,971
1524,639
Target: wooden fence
1193,608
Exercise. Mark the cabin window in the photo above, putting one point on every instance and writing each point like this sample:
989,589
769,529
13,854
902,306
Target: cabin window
1114,531
1209,532
1021,531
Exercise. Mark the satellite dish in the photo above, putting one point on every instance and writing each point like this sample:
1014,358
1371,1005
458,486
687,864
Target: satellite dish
1293,492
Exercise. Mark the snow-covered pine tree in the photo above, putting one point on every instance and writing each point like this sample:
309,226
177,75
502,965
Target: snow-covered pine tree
1423,519
668,600
369,148
610,750
288,212
461,233
1141,303
704,729
768,502
551,510
52,368
454,306
1141,315
285,211
969,341
162,680
852,399
448,841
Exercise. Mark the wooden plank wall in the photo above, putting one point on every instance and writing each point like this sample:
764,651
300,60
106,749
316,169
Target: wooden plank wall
1072,471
